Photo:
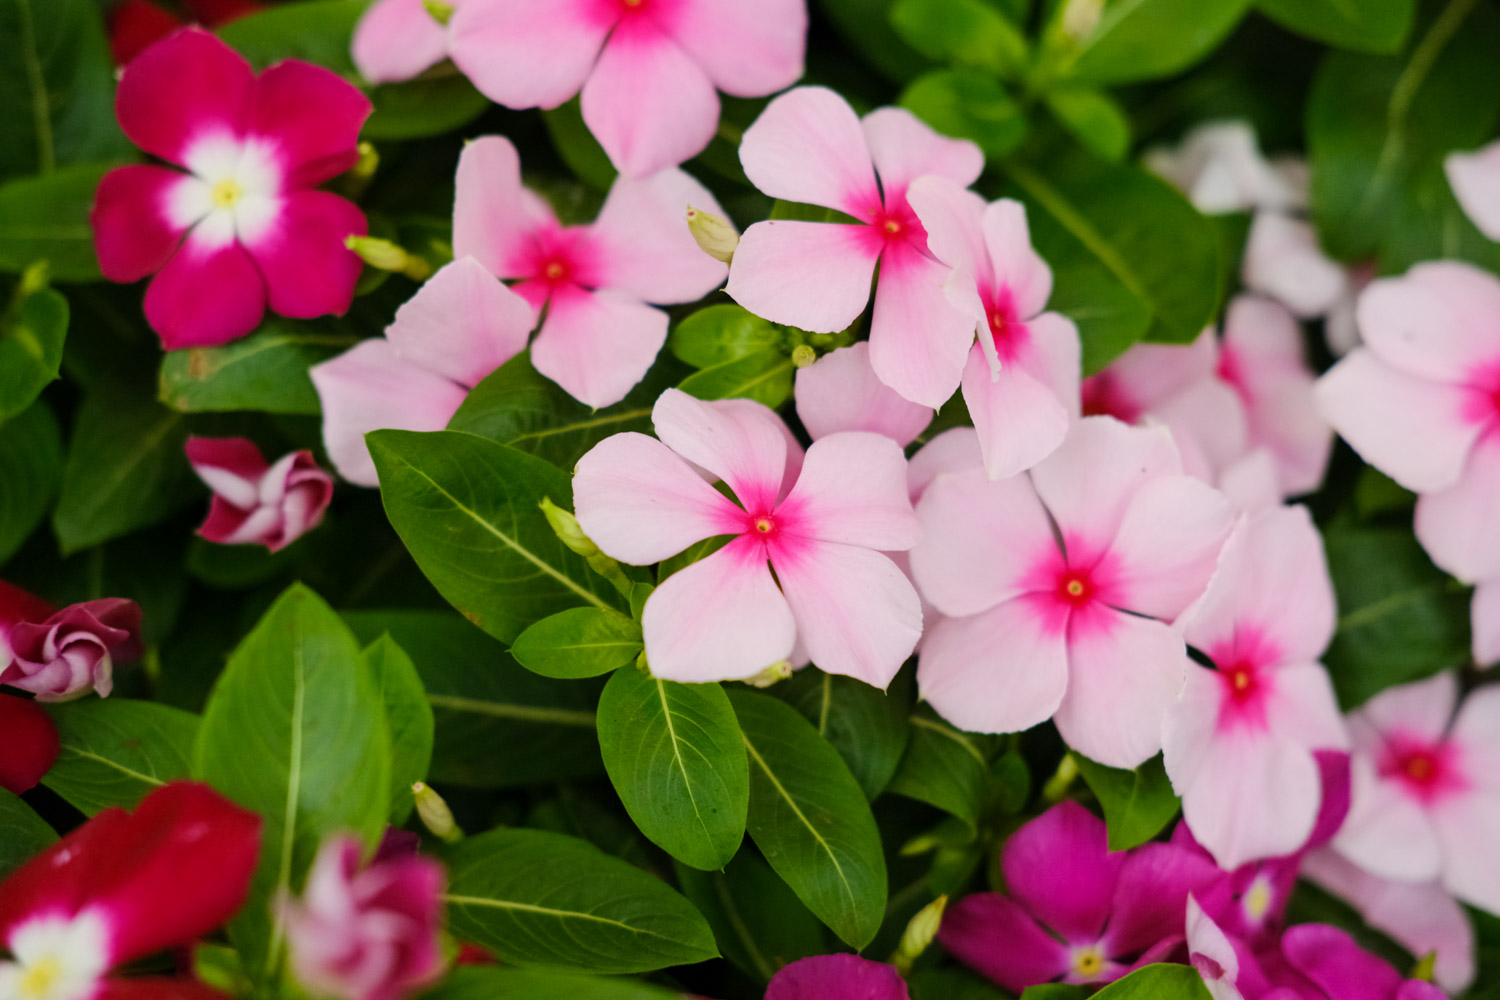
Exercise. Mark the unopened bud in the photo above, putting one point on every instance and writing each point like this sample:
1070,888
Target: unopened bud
435,814
1426,969
1081,17
35,278
1056,788
803,355
565,527
388,256
774,674
441,12
713,233
919,934
369,161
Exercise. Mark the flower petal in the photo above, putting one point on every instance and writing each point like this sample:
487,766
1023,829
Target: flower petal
134,235
1019,420
748,51
397,39
839,392
992,935
1283,260
1439,321
807,146
1017,266
463,323
644,246
597,345
308,269
527,55
814,275
903,148
313,117
206,296
954,450
744,445
1387,833
1341,968
31,744
1060,869
494,218
1466,827
852,490
185,87
951,215
1168,545
1457,525
1475,179
1150,896
918,340
1484,616
1422,710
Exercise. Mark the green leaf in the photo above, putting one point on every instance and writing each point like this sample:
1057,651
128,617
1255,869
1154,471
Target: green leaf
950,984
31,349
578,147
536,898
943,767
1093,118
1055,991
426,106
116,751
1146,39
265,371
31,464
867,726
1400,618
23,834
1368,25
1137,804
721,334
47,219
469,511
500,983
758,921
126,469
968,104
675,755
295,730
810,819
316,31
408,718
1158,982
867,24
497,724
765,376
963,32
579,642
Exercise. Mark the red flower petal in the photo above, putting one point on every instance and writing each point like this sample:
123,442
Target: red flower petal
30,747
182,88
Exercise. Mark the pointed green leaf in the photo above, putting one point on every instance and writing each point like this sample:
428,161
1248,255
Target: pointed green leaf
1158,982
266,371
409,717
1146,39
22,833
944,767
1137,804
31,465
764,376
720,334
579,642
115,751
759,922
47,218
31,349
478,982
867,726
1368,25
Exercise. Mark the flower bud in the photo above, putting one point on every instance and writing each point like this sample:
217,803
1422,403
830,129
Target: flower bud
60,656
1081,17
920,931
774,674
441,12
565,527
713,233
388,256
436,815
803,355
255,503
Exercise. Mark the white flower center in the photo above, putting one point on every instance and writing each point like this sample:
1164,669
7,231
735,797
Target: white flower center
56,959
232,194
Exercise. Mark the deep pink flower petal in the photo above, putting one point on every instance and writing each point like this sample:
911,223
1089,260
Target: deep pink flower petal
808,146
17,605
1387,833
1439,321
186,86
1475,179
996,937
1017,267
133,234
313,117
308,269
31,744
494,217
839,392
397,39
526,55
156,988
903,148
644,246
1019,420
837,977
918,340
463,323
1337,777
744,445
597,345
721,618
1342,969
1457,525
206,296
852,490
1150,896
237,456
748,51
1284,260
1484,616
1060,869
814,275
1168,545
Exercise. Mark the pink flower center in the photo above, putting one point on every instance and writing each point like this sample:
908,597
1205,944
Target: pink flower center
1239,683
1008,331
1426,771
1231,371
556,271
1104,397
896,224
1074,588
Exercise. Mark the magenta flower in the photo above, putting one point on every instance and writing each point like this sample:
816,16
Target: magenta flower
1221,961
59,656
367,932
121,887
839,600
1239,744
1475,179
837,977
808,146
397,39
243,229
599,336
648,69
31,744
1076,912
270,505
460,326
1059,585
1021,380
1319,962
839,392
1425,805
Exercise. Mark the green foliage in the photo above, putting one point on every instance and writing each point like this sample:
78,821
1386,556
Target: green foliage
1134,40
965,32
266,371
496,983
1137,804
1370,25
579,642
46,219
719,334
867,726
31,348
116,751
31,465
757,920
968,104
1158,982
943,767
408,718
22,833
315,31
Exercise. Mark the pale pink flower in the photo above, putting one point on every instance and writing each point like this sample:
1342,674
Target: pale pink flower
1475,179
839,392
1220,167
270,505
1284,260
460,326
647,69
1426,800
809,146
1239,745
398,39
834,595
599,336
1060,584
1021,379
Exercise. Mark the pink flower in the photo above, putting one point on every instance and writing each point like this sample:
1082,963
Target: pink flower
837,977
839,392
460,326
1284,260
1219,166
1216,957
1239,744
243,228
121,887
839,599
599,336
1021,379
367,932
59,656
1475,178
1059,584
808,146
397,39
270,505
647,69
1319,962
1425,803
31,744
1076,912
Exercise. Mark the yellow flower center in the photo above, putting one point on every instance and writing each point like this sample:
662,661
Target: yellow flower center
226,193
764,525
1088,962
1258,900
41,978
892,226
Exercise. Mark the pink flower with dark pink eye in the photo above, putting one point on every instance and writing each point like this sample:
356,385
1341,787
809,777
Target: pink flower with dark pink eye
1425,803
398,39
242,229
270,505
1021,382
121,887
1059,585
31,744
809,146
648,69
367,932
837,977
600,335
62,655
835,596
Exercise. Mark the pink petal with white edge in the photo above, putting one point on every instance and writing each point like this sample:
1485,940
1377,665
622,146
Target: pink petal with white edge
644,244
181,89
1001,671
1412,429
856,612
808,146
1387,832
308,269
955,450
903,148
494,217
1124,674
597,345
918,340
839,392
463,323
1205,940
370,387
523,54
641,503
1467,827
647,102
748,51
1423,710
1484,618
719,619
231,467
1019,420
1017,266
312,116
739,441
813,275
852,490
397,39
1457,526
984,542
951,215
1168,545
1439,321
205,296
1475,179
1283,260
133,233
